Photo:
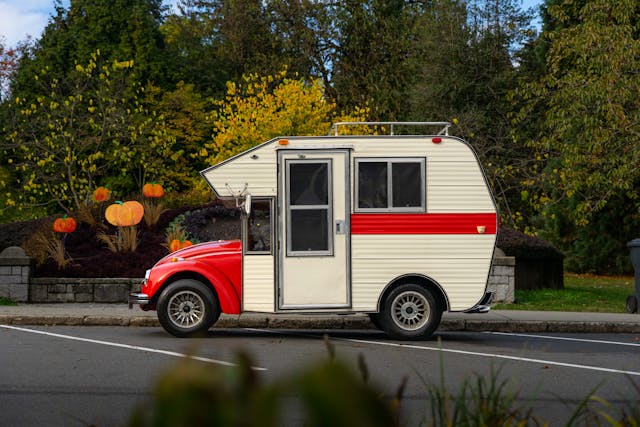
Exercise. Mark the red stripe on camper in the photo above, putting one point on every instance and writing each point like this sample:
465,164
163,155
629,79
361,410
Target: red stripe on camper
429,223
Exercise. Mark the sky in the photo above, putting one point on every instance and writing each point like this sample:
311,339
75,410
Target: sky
19,18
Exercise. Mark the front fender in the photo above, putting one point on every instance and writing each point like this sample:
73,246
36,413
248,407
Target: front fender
226,290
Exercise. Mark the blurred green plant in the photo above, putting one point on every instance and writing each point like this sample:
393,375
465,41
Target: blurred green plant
193,393
332,394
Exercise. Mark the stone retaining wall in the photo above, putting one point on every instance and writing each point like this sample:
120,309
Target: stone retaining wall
82,290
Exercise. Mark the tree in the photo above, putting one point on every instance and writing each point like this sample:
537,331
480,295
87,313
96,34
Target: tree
119,29
215,41
88,128
590,133
260,108
370,65
185,120
588,145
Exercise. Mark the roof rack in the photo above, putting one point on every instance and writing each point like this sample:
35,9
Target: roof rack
391,125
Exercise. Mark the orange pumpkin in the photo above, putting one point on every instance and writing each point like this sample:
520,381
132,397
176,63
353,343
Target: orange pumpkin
124,214
179,244
101,194
64,225
152,190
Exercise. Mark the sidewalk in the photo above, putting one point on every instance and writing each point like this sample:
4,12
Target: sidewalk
88,314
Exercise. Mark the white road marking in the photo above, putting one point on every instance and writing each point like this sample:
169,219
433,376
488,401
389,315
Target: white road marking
475,353
130,347
498,356
549,337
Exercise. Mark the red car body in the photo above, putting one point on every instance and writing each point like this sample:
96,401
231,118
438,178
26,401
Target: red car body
218,264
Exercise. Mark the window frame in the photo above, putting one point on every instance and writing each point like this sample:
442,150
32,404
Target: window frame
328,207
390,161
272,225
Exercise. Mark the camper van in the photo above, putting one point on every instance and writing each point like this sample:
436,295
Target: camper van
400,227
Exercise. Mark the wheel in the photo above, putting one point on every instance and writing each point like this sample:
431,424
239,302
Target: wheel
632,304
410,312
187,307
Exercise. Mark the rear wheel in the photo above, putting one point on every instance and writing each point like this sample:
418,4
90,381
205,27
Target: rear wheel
187,307
410,312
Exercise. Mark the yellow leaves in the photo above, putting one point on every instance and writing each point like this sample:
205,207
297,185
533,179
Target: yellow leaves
263,107
122,64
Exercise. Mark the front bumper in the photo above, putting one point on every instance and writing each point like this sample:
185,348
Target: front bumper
138,298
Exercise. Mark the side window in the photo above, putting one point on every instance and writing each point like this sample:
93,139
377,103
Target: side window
259,232
395,185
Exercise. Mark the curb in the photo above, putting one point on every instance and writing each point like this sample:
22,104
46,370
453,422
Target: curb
343,322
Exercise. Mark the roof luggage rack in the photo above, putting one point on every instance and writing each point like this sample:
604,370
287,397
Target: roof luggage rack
391,125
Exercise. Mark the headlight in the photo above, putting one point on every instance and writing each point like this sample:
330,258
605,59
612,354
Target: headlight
146,276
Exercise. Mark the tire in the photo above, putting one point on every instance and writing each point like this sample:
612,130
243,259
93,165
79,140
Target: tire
410,312
187,308
375,319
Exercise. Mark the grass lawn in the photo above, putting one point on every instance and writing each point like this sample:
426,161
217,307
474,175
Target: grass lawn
5,301
580,293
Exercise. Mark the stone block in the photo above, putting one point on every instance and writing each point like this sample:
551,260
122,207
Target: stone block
61,297
19,292
501,270
58,288
10,280
111,292
83,288
38,293
83,297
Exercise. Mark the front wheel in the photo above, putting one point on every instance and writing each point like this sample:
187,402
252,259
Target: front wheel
187,307
410,312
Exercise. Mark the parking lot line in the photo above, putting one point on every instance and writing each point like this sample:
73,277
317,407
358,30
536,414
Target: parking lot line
494,355
127,346
549,337
469,353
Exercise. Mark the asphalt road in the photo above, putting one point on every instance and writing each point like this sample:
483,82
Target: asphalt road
67,376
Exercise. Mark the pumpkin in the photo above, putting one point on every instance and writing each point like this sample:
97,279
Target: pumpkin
179,244
124,214
64,225
152,190
101,194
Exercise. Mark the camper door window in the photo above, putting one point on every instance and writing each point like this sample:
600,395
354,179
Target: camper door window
395,185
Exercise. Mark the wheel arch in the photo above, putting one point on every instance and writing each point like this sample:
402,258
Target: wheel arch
419,279
224,291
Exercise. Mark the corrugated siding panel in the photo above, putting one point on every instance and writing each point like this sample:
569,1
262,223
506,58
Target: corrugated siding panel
258,290
459,263
460,198
260,173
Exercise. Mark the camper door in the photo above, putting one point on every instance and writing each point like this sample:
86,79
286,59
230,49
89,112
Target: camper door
313,189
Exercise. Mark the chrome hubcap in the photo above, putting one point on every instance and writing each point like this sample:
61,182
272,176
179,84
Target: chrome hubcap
186,309
410,310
